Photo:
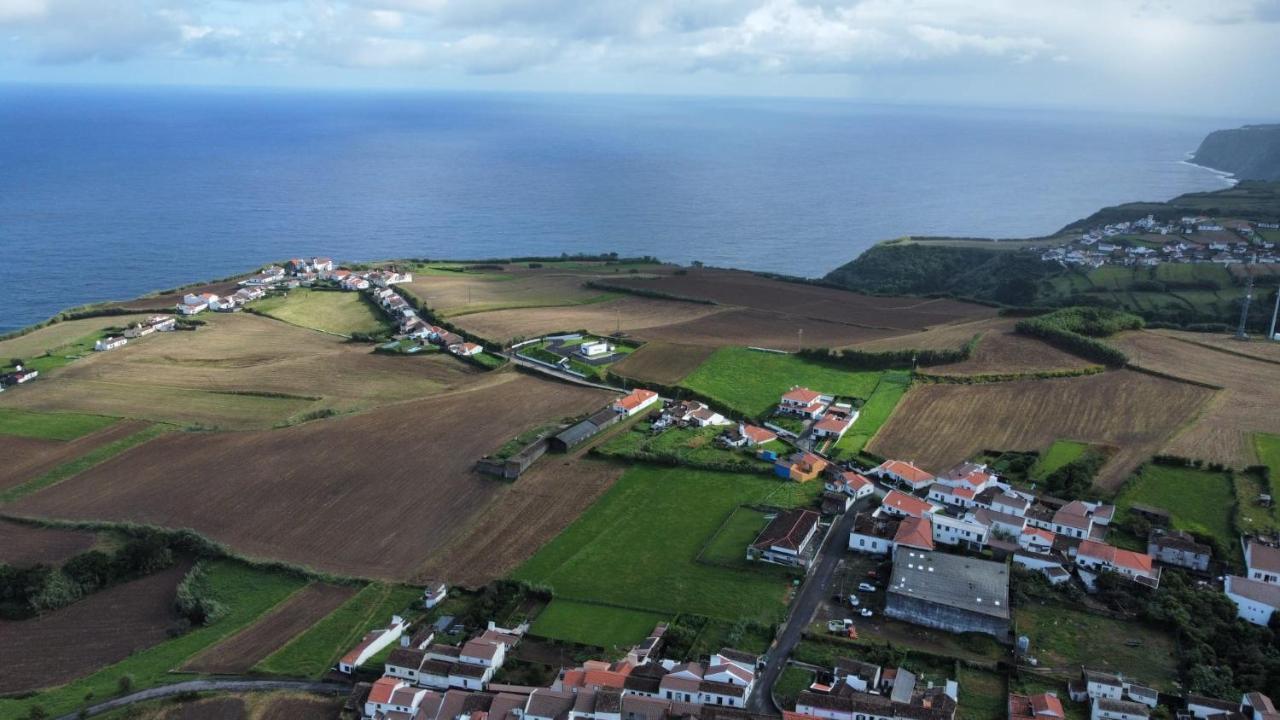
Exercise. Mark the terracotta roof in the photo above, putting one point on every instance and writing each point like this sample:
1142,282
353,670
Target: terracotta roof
833,424
801,395
787,530
1140,562
909,504
635,398
915,532
1038,532
906,471
856,481
1047,704
383,689
758,435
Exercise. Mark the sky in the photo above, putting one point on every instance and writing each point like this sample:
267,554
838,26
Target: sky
1191,57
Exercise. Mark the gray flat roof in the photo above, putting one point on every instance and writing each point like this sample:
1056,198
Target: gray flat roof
979,586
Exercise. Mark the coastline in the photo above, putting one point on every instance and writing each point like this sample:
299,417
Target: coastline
1228,177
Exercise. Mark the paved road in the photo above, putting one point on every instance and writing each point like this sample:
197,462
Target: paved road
812,591
223,685
567,377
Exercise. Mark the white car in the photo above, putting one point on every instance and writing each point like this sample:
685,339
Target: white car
866,612
866,587
854,601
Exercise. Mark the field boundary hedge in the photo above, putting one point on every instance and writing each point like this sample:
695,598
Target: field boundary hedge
984,378
1170,376
1076,330
891,359
646,292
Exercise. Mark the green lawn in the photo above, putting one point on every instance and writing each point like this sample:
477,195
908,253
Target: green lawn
1064,638
1059,453
751,382
246,591
691,446
82,463
729,545
59,356
50,426
1197,500
312,653
875,412
984,694
331,311
1251,516
1268,447
637,546
600,625
791,683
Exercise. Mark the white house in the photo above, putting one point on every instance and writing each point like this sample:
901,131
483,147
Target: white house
904,505
849,483
903,473
372,643
1109,709
1255,600
595,349
109,343
958,531
960,497
1263,562
873,533
1095,557
973,476
390,694
835,423
804,402
635,401
434,594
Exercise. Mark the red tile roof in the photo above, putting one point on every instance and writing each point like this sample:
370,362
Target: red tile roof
1136,561
758,435
787,530
801,395
906,471
636,398
383,689
915,532
908,504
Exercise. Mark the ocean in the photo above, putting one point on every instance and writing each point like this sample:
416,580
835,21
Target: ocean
111,193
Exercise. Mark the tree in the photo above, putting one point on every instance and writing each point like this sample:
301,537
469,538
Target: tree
125,684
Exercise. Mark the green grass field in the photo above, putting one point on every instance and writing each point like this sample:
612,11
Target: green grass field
1268,447
1250,515
729,545
246,591
600,625
59,356
1065,638
1059,453
752,382
875,412
331,311
312,653
983,694
51,426
1197,500
637,546
791,683
691,446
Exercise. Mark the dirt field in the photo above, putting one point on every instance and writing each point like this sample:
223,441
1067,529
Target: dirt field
29,458
1257,347
214,708
371,495
47,338
943,337
1248,404
663,362
452,294
939,425
1001,350
732,287
190,377
240,652
525,515
102,629
22,545
629,313
301,708
762,328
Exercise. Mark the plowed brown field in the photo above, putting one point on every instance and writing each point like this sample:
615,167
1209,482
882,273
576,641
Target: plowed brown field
29,458
371,495
629,314
23,545
663,362
762,328
102,629
287,620
940,425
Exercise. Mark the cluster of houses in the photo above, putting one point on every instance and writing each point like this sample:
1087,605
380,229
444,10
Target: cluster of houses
425,681
1256,593
864,691
1198,239
18,375
1112,696
826,420
140,329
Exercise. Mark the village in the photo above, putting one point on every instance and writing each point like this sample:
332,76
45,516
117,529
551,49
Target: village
1149,242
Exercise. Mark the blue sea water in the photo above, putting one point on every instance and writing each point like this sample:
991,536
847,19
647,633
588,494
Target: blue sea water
110,193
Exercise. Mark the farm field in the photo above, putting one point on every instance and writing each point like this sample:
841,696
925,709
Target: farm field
51,426
340,313
1063,639
23,545
751,382
277,705
1259,348
1223,433
82,463
1002,351
240,652
1268,449
875,412
811,302
100,630
625,314
607,627
940,425
1061,452
665,363
30,458
405,469
941,337
50,338
247,592
312,653
516,285
695,447
238,372
647,521
763,328
1198,501
729,545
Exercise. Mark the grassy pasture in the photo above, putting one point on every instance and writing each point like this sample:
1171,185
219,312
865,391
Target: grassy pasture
1268,448
1060,453
59,337
875,412
246,591
1064,638
729,545
654,522
751,382
1252,517
51,426
340,313
590,624
1197,500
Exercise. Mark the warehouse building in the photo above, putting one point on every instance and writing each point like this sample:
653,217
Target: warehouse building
949,592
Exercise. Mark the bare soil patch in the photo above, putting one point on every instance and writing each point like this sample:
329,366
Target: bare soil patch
300,708
371,495
629,314
1247,404
29,458
942,337
762,328
240,652
1001,350
1258,348
661,362
23,545
102,629
214,708
939,425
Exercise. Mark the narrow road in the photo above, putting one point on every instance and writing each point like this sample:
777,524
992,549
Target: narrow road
222,685
567,377
806,602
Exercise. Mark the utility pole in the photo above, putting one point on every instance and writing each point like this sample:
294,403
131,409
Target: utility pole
1244,310
799,339
1271,334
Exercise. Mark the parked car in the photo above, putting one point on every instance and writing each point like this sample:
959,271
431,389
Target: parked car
866,587
854,601
866,612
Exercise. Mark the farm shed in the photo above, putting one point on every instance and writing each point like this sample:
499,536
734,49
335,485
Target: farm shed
949,592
